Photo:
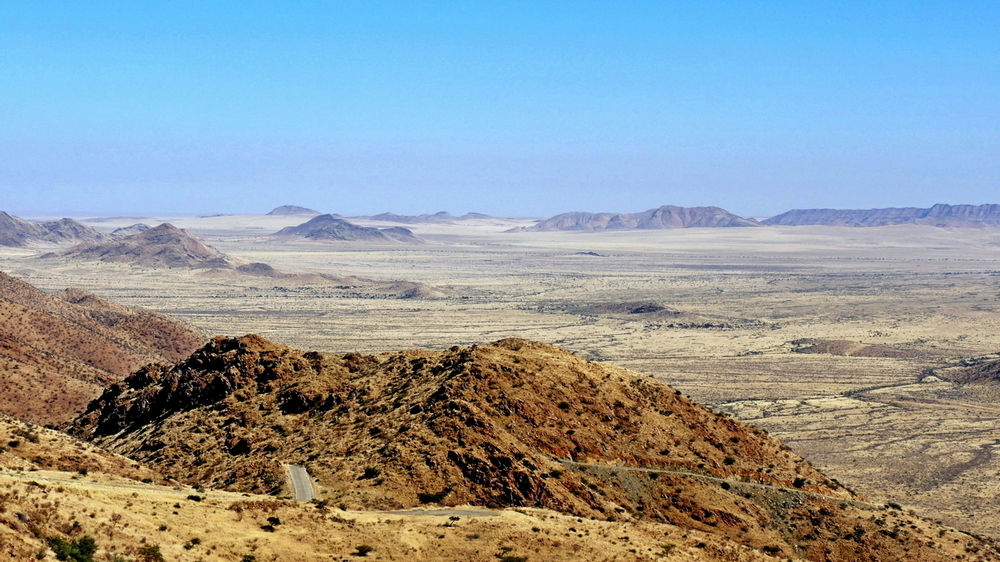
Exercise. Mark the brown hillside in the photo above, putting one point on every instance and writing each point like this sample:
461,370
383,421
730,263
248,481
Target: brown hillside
515,423
164,246
58,351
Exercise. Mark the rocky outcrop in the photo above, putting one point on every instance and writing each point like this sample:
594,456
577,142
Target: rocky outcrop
667,216
938,215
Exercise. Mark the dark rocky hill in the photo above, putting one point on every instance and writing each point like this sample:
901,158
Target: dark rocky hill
938,215
667,216
330,227
164,246
514,423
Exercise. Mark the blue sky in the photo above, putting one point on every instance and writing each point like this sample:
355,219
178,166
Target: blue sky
509,108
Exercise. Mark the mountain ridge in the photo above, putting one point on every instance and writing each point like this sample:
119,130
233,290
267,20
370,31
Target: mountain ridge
664,217
938,215
514,423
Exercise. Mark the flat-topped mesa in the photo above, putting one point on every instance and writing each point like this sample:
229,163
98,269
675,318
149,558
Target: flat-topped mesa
938,215
667,216
164,246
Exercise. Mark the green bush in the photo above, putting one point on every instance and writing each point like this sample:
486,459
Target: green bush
80,550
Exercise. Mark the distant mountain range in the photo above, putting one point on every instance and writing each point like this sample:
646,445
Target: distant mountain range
938,215
442,216
667,216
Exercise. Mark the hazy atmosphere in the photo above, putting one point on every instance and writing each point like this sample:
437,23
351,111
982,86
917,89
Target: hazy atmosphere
505,108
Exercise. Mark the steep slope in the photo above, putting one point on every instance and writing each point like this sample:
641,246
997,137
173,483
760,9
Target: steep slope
164,246
329,227
17,232
667,216
938,215
515,423
57,352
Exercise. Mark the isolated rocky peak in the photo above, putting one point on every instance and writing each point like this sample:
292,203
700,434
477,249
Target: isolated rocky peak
332,227
162,246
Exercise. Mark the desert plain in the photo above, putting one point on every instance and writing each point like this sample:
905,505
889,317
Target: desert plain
833,339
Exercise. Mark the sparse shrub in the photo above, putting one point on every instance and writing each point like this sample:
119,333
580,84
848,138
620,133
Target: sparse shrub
726,486
554,473
194,498
512,558
14,443
82,471
729,461
799,482
80,550
564,406
363,550
772,549
150,553
370,472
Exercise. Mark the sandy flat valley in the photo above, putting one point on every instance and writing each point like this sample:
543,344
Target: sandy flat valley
734,308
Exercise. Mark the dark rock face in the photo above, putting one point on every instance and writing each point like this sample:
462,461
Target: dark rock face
938,215
667,216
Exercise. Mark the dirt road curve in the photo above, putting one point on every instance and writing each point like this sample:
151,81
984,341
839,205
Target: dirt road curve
301,483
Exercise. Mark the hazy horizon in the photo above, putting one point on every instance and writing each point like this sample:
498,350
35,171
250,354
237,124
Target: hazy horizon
509,109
